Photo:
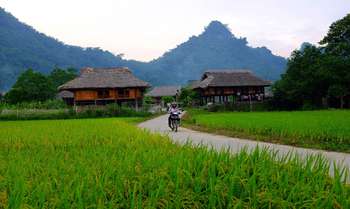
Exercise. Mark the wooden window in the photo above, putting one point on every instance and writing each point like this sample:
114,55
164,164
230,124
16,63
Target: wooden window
103,93
124,93
219,91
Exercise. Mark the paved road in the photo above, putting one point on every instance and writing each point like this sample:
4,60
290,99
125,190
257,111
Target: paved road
218,142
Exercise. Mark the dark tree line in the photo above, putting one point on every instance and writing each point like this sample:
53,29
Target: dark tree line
33,86
318,76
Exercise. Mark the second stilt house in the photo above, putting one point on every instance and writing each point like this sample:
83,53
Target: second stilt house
221,86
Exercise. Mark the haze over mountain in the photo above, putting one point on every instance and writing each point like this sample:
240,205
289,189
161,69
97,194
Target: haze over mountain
23,47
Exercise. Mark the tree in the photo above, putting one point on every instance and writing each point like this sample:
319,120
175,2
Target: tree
337,45
338,91
168,99
59,76
317,74
337,40
31,86
305,83
188,96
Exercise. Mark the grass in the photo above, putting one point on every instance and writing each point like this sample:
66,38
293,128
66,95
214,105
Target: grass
91,112
108,163
326,129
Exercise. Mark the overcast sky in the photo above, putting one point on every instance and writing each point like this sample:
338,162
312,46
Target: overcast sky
145,29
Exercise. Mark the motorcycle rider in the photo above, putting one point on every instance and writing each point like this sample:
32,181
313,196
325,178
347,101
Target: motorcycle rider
173,109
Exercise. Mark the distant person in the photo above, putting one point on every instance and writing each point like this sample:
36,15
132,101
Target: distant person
173,109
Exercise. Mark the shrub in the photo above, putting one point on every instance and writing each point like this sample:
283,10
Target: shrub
48,105
167,99
240,107
111,110
189,97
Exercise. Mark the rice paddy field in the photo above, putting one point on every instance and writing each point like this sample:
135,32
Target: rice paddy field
326,129
109,163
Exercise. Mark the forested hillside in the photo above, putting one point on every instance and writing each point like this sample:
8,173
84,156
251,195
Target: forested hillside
22,47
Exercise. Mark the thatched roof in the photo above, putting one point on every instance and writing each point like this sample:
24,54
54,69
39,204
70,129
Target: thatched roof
65,94
194,83
161,91
228,78
104,78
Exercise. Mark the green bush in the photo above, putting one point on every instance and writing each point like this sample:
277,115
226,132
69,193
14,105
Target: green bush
147,102
111,110
168,99
189,97
34,114
240,107
48,105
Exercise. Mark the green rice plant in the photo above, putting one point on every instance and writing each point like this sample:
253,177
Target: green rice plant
108,163
326,129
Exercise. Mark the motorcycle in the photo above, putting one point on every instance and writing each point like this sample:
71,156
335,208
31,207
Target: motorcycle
174,121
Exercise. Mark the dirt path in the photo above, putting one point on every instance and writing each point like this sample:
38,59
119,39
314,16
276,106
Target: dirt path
218,142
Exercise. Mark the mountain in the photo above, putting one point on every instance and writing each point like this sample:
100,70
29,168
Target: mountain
23,47
215,48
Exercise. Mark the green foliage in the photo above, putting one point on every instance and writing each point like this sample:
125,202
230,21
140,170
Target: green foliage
240,107
315,74
337,40
147,100
302,82
188,97
30,86
36,114
339,91
168,99
60,76
113,110
46,111
326,129
48,104
106,163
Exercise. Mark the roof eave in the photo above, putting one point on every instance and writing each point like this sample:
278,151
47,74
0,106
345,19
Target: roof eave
104,87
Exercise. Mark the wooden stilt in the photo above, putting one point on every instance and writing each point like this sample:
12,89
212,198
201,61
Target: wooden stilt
74,105
136,105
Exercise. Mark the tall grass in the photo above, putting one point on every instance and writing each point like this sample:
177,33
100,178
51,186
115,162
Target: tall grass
106,163
326,129
90,112
48,105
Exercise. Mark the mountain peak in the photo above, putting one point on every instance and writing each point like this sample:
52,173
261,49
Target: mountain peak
217,29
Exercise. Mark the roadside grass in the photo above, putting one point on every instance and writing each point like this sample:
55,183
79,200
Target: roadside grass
108,163
325,129
54,114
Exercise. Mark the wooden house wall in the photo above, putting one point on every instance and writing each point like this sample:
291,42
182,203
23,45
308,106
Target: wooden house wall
211,91
84,95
